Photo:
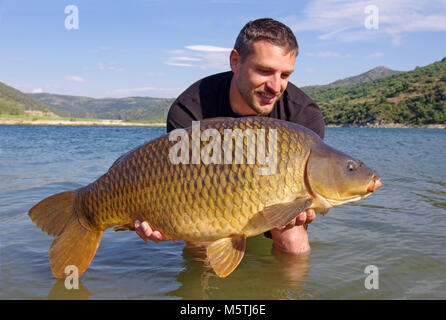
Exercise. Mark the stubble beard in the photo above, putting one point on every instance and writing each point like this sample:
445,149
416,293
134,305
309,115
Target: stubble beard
249,97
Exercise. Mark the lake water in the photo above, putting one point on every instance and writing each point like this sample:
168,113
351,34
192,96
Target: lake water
401,229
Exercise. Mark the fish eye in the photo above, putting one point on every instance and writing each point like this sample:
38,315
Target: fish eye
351,165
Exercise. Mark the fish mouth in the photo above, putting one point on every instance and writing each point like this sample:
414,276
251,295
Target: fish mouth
374,184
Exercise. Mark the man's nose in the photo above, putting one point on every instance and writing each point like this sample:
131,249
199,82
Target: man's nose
274,84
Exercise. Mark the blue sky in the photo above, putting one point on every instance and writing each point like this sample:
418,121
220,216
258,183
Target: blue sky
158,48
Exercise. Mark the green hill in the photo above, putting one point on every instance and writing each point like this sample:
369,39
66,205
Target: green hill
130,108
371,75
378,96
14,102
415,97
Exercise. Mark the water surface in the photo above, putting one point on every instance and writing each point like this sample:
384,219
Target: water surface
401,229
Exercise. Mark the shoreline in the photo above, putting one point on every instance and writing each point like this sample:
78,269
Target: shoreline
388,126
121,123
99,122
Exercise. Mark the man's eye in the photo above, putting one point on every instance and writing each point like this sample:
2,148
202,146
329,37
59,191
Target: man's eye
264,71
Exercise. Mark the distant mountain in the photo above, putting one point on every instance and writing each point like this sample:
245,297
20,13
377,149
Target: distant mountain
13,101
416,97
144,108
378,96
130,108
371,75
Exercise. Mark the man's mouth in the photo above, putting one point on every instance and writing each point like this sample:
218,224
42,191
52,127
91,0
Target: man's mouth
266,98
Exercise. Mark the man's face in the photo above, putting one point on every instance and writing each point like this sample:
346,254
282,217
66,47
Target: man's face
263,77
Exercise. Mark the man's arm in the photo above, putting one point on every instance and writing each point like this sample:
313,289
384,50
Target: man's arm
314,119
294,237
179,116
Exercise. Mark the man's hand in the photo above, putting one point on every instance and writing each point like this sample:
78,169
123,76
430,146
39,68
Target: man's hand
305,218
146,233
294,237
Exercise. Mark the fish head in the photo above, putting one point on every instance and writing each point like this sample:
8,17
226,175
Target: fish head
334,178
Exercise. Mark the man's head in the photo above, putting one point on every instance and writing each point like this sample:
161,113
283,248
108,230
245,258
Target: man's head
265,29
262,61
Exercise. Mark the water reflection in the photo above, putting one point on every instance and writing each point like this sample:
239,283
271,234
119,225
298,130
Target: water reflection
60,292
283,275
293,267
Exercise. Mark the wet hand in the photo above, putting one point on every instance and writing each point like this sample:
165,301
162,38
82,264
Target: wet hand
145,231
293,237
305,218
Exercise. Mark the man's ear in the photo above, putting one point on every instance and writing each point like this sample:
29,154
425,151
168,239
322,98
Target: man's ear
235,60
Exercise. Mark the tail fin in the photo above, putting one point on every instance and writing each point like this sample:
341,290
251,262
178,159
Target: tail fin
74,244
53,214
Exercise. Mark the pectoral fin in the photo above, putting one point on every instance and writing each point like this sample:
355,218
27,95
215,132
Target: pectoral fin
278,215
225,254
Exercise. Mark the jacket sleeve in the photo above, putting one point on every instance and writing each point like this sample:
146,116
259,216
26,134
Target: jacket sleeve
179,116
314,119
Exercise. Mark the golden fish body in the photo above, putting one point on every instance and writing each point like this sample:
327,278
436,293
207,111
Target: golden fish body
234,195
197,202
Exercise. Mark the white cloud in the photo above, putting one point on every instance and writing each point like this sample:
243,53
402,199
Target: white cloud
215,60
176,51
179,64
37,90
186,59
206,56
375,55
104,67
206,48
330,35
75,78
344,19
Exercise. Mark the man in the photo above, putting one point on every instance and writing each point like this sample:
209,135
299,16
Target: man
257,85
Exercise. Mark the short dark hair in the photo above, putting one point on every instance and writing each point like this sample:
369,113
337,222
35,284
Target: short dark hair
265,29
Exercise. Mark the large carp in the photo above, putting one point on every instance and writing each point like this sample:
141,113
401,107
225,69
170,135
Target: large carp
190,190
